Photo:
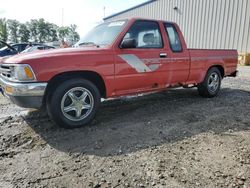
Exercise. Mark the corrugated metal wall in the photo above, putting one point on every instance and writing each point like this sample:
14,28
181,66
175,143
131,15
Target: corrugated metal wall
218,24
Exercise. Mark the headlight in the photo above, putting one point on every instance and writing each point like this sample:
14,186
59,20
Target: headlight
23,73
17,72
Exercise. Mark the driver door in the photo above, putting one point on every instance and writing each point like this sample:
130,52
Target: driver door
137,66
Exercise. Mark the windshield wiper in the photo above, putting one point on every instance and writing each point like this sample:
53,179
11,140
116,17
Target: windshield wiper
10,47
88,43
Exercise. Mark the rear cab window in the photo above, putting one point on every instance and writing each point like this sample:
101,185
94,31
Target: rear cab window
173,37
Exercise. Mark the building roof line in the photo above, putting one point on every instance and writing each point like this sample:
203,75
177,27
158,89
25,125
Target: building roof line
132,8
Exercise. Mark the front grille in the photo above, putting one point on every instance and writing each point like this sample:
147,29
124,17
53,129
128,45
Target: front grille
5,71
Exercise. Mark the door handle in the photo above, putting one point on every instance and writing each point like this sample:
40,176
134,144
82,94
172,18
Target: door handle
163,55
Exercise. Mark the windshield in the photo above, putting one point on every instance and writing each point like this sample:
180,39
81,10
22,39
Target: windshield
103,34
7,47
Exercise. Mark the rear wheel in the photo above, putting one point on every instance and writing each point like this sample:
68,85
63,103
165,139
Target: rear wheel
210,87
74,103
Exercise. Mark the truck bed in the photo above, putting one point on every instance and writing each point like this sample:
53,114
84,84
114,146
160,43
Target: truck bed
227,58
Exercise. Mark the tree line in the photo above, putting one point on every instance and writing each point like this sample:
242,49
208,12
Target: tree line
36,30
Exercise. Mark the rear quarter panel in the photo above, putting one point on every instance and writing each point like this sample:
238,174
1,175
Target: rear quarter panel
202,60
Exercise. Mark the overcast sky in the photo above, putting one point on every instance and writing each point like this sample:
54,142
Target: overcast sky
84,13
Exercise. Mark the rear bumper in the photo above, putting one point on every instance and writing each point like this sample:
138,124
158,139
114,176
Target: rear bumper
27,95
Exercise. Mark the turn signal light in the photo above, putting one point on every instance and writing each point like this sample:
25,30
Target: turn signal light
9,89
28,72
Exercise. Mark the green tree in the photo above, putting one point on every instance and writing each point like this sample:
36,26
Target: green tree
36,30
32,26
51,30
12,26
63,32
23,33
73,36
42,30
45,31
68,33
3,31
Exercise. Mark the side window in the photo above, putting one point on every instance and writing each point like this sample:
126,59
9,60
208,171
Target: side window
15,47
40,48
174,40
22,47
146,34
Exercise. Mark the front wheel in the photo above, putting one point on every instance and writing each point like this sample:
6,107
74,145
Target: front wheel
74,103
210,87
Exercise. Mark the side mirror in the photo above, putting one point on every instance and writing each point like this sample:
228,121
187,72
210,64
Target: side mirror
128,43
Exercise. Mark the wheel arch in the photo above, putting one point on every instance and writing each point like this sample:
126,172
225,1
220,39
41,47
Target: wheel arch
221,69
204,73
92,76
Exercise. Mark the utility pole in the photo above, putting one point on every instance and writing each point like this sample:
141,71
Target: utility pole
62,16
104,12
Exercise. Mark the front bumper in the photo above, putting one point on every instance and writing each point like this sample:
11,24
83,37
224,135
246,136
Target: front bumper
27,95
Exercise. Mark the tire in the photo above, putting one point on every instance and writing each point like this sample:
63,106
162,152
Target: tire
210,87
74,103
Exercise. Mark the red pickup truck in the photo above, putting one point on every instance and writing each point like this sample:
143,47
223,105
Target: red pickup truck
118,58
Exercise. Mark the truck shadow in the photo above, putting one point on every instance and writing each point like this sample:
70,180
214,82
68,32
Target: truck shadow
127,125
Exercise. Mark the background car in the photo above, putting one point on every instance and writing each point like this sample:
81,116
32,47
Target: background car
35,48
13,49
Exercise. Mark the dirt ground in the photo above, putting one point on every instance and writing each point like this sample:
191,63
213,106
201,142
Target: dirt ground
170,139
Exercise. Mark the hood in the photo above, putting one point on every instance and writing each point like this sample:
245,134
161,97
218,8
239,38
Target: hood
3,59
20,58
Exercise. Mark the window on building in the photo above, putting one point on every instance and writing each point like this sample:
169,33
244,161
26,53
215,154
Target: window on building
174,39
146,34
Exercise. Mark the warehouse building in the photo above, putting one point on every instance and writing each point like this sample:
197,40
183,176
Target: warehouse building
210,24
